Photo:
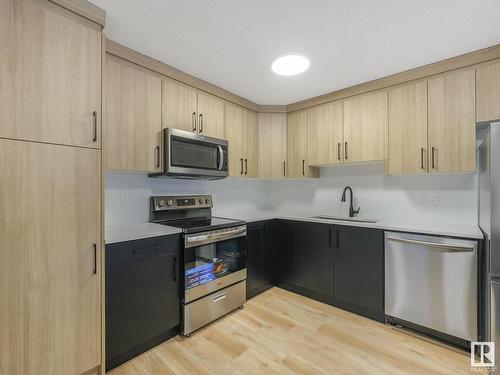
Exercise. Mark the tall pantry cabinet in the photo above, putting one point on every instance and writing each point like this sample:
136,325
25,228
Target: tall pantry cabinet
50,195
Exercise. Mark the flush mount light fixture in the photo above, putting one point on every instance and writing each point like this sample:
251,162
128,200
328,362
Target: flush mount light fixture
290,65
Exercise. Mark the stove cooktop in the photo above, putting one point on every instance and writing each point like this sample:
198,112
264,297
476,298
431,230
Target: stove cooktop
202,224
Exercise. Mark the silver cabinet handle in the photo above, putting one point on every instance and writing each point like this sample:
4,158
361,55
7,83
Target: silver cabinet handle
201,122
94,118
193,121
449,248
219,297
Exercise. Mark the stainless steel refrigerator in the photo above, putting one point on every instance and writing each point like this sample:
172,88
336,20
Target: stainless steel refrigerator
489,220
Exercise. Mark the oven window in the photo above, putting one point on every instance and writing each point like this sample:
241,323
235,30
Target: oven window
193,154
209,262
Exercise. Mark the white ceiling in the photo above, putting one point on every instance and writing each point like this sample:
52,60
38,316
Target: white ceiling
231,43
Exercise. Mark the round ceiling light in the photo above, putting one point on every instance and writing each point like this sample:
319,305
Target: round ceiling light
290,65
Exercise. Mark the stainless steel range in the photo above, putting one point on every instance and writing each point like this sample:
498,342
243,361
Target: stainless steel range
213,258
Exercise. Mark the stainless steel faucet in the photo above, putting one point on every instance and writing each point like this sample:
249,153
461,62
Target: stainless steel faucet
352,211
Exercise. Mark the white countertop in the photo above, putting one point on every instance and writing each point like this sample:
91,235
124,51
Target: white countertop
440,229
130,232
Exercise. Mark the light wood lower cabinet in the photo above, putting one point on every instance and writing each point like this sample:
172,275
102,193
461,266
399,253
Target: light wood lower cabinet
242,134
452,126
50,241
272,145
488,92
132,118
325,134
408,129
366,127
297,146
50,74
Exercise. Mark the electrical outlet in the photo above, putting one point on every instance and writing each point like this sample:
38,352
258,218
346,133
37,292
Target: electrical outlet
123,197
435,199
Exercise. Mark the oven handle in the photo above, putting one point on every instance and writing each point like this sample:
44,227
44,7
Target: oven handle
221,157
204,238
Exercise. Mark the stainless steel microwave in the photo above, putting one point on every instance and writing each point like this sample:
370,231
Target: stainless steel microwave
193,156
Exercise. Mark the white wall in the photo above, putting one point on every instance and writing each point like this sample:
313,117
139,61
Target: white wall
423,198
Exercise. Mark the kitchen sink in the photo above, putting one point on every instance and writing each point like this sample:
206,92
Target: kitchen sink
341,218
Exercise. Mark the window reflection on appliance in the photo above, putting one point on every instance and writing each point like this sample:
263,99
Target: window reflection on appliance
209,262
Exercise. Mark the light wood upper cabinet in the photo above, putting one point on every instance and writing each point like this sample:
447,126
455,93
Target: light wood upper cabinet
250,143
408,129
132,118
272,145
325,134
234,135
452,128
179,106
297,144
242,134
488,92
210,115
50,295
366,127
50,75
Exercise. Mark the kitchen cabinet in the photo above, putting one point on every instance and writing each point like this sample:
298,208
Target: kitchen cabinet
408,129
359,270
313,248
282,234
488,92
186,108
260,261
241,133
297,146
325,134
50,246
50,74
452,125
132,117
142,296
272,145
366,127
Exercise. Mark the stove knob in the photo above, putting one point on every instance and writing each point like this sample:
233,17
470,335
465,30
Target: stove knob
169,203
161,203
200,201
207,201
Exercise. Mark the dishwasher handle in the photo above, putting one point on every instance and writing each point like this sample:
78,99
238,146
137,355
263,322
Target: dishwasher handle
442,247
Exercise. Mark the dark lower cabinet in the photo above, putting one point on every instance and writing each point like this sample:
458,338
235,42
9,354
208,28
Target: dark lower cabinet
313,247
282,235
142,296
359,270
260,258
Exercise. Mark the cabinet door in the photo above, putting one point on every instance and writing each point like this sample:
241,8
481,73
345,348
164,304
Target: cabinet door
254,259
210,115
298,165
50,75
408,129
452,125
488,92
179,106
133,118
283,240
314,257
234,133
325,134
250,140
272,145
359,270
50,280
366,128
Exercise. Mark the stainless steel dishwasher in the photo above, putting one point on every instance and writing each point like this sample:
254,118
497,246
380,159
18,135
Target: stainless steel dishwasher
431,283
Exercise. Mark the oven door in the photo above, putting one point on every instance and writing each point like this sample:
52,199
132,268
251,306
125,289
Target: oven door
213,260
194,155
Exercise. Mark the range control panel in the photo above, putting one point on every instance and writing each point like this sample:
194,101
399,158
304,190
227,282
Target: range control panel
182,202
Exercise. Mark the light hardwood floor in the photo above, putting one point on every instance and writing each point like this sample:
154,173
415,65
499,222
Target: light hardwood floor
279,332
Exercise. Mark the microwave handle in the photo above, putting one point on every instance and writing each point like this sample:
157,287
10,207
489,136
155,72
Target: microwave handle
221,158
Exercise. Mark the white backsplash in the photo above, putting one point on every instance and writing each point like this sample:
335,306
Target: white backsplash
424,198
